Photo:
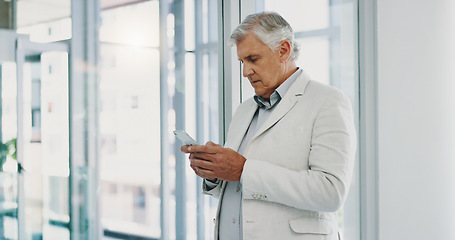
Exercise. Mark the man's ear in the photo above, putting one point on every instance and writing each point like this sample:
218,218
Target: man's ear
285,50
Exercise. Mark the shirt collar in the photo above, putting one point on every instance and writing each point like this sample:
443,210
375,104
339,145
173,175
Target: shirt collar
278,93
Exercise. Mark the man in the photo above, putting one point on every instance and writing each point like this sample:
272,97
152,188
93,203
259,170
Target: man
286,166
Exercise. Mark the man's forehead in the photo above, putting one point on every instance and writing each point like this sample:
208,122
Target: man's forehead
248,46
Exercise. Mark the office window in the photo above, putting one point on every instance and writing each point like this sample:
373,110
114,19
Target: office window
8,132
127,176
129,123
148,190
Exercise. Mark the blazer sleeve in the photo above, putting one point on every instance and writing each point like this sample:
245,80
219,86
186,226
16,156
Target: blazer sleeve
322,187
213,189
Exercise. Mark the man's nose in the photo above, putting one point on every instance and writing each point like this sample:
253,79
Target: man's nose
247,70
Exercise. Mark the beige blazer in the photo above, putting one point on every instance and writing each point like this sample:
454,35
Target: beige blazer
299,164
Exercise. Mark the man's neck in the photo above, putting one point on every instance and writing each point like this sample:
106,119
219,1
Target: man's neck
290,69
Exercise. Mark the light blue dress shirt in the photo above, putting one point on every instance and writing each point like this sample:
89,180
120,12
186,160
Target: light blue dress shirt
230,219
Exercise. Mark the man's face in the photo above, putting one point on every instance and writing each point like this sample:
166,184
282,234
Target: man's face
261,65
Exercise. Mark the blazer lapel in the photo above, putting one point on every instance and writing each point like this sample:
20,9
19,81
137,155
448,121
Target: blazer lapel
287,102
240,126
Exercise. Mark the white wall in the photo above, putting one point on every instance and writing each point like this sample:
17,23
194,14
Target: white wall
416,119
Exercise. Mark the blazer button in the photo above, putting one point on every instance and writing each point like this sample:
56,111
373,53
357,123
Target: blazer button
214,220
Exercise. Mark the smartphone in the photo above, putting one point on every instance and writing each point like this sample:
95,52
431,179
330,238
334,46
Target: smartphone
185,137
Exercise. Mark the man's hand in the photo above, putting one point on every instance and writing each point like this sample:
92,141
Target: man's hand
211,161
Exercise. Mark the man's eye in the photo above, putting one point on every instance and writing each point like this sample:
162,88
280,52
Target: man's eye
253,60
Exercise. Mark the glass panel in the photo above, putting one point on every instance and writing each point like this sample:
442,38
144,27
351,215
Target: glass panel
46,146
44,75
190,116
54,145
202,111
8,81
134,25
130,140
190,30
303,15
8,205
129,121
8,166
315,57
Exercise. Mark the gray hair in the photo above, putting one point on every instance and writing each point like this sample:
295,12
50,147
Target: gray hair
270,27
